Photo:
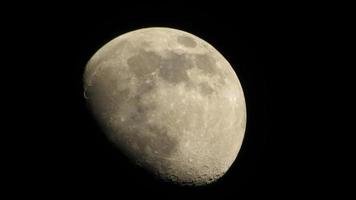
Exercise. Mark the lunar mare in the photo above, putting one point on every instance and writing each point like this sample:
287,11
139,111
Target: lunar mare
170,101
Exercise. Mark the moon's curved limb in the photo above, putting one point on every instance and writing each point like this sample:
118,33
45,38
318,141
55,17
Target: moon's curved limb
170,101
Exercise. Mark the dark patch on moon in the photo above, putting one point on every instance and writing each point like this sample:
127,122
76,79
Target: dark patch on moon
138,132
146,85
157,136
150,139
144,63
162,143
174,68
205,89
186,41
153,145
153,137
206,63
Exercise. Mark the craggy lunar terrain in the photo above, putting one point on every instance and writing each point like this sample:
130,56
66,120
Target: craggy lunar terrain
169,101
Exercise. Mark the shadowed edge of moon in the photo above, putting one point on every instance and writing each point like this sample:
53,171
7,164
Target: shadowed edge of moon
171,68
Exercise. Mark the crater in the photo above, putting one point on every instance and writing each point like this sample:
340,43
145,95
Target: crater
174,68
144,63
186,41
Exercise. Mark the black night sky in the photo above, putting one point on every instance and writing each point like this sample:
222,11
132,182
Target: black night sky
59,150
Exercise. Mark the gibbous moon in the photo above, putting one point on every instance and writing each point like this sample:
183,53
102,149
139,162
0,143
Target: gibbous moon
170,101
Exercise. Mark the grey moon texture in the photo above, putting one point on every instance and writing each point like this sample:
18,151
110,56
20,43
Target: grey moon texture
169,101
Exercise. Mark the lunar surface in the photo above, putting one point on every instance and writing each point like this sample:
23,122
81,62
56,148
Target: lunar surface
170,101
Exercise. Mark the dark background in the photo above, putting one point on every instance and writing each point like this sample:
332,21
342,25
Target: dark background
57,149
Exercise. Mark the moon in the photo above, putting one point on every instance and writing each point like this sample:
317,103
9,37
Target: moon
169,101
